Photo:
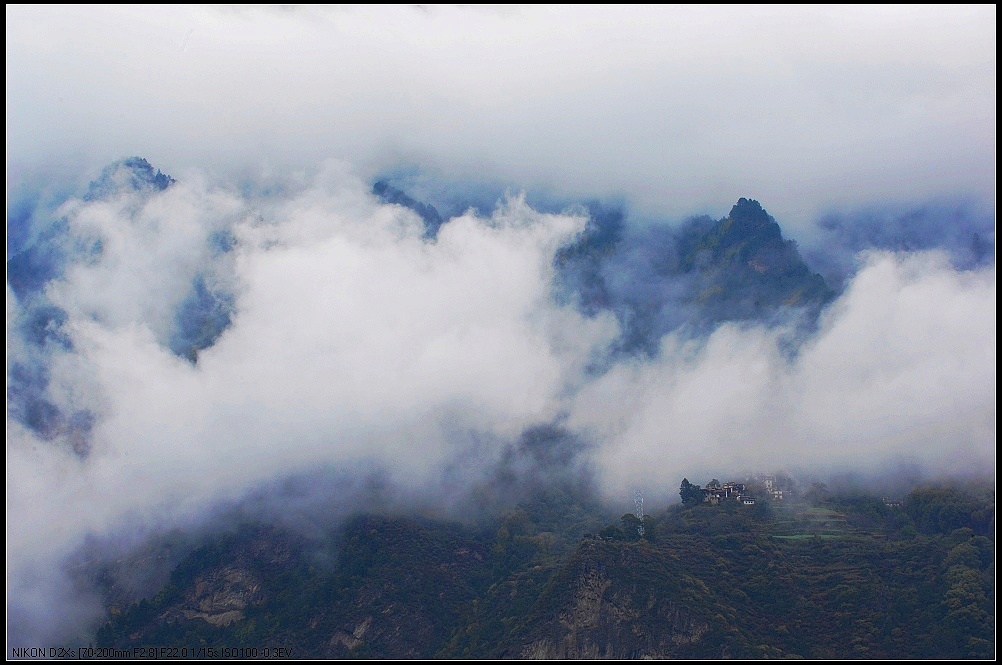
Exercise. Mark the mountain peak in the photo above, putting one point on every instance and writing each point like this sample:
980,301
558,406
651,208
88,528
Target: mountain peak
387,193
749,210
130,174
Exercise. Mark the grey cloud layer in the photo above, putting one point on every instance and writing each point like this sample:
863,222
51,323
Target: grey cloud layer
680,109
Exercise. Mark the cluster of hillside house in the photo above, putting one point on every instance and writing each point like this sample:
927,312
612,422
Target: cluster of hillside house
715,493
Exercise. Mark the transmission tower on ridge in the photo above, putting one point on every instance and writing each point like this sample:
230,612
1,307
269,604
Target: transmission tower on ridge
638,500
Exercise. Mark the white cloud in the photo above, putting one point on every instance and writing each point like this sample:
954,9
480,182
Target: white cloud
682,109
903,368
355,345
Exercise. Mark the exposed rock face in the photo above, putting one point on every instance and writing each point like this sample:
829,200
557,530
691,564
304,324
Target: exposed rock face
220,596
353,639
614,611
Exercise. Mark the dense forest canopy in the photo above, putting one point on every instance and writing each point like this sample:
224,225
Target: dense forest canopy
825,575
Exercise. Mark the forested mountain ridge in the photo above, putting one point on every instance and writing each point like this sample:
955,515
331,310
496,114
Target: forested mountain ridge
724,581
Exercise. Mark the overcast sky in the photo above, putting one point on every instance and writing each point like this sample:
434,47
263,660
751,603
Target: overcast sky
680,109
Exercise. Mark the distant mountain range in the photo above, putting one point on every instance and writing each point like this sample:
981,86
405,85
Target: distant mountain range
657,280
198,321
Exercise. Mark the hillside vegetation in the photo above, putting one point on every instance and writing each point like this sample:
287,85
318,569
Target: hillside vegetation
834,577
